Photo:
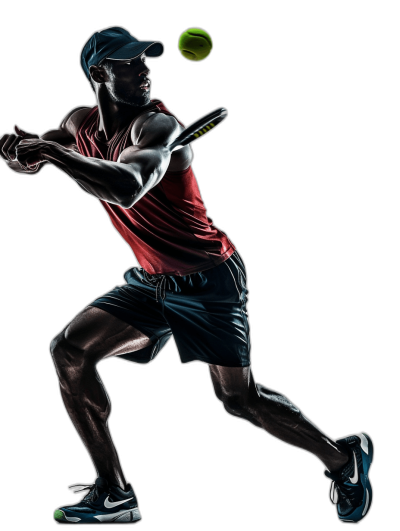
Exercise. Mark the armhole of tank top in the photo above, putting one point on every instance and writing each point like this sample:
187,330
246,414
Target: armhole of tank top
85,120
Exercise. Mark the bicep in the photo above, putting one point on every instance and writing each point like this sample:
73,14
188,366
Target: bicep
150,157
159,130
148,167
150,143
61,137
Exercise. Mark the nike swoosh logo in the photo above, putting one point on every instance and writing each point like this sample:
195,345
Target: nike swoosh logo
354,479
110,505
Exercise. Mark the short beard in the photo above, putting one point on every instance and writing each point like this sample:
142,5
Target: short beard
125,97
128,99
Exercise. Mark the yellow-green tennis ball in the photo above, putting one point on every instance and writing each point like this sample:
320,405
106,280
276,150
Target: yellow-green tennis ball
195,44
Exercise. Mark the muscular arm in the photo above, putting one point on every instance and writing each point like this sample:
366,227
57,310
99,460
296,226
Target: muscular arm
64,135
139,168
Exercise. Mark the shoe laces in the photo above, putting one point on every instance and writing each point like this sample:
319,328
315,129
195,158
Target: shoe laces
84,487
91,495
340,491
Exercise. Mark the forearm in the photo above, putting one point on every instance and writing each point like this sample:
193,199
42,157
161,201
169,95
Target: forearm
110,181
123,182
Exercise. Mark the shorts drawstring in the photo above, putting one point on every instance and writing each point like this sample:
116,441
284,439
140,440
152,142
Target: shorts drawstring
161,286
160,282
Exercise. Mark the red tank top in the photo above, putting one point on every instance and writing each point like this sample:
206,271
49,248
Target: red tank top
168,228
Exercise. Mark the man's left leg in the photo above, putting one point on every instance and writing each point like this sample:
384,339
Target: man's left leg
348,460
267,409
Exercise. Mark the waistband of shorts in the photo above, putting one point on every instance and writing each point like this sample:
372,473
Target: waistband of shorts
161,282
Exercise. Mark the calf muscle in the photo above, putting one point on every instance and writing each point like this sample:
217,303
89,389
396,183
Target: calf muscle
91,336
270,410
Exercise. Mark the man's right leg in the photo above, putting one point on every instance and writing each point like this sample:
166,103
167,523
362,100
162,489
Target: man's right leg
93,335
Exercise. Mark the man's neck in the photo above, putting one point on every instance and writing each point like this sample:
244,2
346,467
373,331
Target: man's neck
114,116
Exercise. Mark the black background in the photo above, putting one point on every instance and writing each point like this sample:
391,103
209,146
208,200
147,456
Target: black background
291,177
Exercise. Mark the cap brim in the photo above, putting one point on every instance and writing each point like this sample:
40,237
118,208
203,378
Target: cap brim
133,49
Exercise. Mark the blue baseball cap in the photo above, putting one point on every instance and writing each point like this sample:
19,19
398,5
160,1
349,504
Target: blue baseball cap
115,43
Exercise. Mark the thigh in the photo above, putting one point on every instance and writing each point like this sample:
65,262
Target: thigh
100,334
136,303
231,380
207,315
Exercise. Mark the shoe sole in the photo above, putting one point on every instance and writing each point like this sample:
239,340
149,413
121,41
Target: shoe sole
122,517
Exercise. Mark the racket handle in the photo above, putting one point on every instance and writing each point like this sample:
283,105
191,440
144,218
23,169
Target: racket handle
199,128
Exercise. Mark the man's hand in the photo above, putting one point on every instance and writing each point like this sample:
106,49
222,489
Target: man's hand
8,146
30,152
9,141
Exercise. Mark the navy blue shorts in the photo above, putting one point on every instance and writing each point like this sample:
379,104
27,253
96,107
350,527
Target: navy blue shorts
205,312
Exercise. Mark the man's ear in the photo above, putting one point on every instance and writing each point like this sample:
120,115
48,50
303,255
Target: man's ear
98,74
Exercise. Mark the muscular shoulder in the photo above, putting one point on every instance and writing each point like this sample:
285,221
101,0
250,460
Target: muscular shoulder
73,120
157,129
154,129
65,134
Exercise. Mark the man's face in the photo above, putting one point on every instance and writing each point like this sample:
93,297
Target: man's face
128,81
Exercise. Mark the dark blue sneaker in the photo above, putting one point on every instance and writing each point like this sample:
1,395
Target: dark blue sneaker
351,490
104,503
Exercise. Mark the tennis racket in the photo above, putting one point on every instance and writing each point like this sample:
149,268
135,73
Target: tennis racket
199,128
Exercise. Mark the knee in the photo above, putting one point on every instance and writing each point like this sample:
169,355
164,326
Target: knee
235,404
65,355
56,348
